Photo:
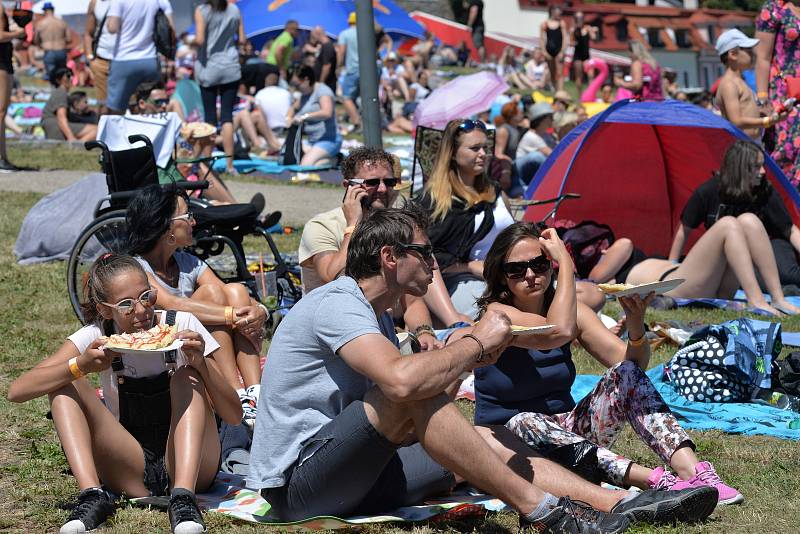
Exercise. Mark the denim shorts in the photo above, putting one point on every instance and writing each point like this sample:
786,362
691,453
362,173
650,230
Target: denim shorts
348,468
350,87
125,76
331,147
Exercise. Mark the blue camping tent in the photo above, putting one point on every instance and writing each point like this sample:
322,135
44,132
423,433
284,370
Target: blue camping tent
635,166
264,19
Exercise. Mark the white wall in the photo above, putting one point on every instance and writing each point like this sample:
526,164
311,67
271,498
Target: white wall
505,16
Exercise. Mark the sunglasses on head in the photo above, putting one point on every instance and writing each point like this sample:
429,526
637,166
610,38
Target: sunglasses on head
517,269
375,182
188,216
127,306
426,251
468,125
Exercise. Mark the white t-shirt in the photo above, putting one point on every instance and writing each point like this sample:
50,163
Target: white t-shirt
140,365
274,102
386,74
530,141
190,267
137,20
502,220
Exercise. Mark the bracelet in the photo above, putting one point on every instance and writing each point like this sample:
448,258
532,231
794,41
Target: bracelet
478,341
228,315
762,94
74,370
266,311
424,329
637,342
765,122
349,230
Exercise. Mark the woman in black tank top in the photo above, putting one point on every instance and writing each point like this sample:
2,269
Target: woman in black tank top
554,33
7,35
581,36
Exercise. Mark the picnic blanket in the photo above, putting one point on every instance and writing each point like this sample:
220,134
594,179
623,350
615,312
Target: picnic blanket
268,166
53,224
230,497
731,417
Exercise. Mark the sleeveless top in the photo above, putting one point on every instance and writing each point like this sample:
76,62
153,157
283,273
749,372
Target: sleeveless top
554,40
651,89
513,140
107,40
524,380
218,59
581,52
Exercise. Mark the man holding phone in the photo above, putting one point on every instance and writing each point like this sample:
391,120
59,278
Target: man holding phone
369,182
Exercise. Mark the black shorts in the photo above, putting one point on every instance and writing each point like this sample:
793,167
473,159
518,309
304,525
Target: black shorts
477,36
348,468
156,477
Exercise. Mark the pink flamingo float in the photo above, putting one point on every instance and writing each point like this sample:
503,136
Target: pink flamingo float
601,68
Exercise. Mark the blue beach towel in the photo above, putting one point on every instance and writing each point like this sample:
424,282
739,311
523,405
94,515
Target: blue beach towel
732,417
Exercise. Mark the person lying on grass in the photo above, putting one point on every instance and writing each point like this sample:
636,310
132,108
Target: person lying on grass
351,427
528,388
155,434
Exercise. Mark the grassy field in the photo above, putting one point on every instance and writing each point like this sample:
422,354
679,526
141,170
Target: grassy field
35,483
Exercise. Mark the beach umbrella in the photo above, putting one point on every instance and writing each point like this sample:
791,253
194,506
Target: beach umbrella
462,97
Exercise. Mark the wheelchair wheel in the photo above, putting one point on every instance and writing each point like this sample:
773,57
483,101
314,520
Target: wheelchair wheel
108,233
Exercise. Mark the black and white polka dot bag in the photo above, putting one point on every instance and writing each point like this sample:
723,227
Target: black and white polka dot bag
724,363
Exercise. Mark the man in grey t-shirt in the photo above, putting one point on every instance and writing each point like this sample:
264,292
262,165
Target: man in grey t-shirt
347,55
349,426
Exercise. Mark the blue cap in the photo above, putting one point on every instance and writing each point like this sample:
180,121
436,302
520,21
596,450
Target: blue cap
48,5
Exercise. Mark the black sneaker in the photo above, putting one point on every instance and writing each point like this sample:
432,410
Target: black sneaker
575,517
7,166
258,201
657,506
93,508
184,515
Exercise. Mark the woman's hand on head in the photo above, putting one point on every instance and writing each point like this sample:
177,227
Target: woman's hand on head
193,348
94,359
553,246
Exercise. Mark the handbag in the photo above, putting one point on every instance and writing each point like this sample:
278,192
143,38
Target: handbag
292,149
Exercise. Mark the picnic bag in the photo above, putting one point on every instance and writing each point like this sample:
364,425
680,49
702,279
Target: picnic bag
164,36
727,362
585,242
292,149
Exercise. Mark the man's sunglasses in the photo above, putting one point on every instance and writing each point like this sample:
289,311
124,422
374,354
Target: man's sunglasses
159,101
127,306
468,125
375,182
426,251
517,269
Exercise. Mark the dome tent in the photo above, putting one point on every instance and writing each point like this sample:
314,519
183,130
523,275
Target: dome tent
635,166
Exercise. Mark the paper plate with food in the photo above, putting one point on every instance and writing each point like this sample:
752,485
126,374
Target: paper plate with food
197,130
518,330
160,338
627,290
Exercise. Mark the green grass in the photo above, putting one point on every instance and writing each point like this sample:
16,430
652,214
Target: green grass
34,481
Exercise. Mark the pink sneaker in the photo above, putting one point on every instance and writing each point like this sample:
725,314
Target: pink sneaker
661,479
706,475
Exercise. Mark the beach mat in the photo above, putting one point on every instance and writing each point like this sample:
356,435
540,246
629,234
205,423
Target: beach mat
731,417
325,173
228,496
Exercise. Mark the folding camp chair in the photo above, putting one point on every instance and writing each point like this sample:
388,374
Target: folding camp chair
187,93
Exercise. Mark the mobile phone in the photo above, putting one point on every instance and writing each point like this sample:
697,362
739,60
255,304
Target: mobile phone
354,181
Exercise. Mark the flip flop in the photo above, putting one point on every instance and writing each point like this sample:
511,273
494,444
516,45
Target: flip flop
785,310
761,311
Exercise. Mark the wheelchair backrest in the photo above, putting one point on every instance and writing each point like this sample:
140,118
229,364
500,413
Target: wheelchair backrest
131,169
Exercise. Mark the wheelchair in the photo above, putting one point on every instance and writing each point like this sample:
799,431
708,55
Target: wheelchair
217,228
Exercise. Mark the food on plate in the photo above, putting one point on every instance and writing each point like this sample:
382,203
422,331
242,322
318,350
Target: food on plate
614,288
158,337
197,130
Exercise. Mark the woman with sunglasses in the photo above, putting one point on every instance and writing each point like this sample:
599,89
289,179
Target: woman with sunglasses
160,226
314,110
154,432
528,389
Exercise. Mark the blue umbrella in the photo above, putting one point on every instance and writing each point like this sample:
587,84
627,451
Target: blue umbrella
264,19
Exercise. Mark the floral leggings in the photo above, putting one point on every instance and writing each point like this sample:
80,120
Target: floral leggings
624,394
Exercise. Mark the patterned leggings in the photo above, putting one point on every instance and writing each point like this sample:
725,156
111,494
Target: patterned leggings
624,394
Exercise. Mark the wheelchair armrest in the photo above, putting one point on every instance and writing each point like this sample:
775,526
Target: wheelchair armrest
192,186
122,195
91,145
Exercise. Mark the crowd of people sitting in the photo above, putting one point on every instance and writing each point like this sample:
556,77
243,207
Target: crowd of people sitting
336,401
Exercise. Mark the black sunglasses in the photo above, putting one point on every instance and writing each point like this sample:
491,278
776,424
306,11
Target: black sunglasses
426,251
375,182
467,125
517,269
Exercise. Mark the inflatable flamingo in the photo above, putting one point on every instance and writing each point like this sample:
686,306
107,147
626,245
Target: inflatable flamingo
590,94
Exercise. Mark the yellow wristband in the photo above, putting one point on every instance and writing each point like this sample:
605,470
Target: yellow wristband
766,122
637,342
229,315
349,230
762,94
74,370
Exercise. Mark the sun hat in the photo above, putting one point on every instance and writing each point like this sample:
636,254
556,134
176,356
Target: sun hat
734,39
539,110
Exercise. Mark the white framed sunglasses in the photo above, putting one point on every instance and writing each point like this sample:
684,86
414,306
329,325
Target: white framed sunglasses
127,306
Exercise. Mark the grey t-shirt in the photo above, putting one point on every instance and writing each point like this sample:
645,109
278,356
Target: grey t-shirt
58,99
190,267
349,38
316,130
218,60
306,383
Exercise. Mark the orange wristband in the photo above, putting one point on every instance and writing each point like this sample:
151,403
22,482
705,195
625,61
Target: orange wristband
637,342
74,370
229,315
